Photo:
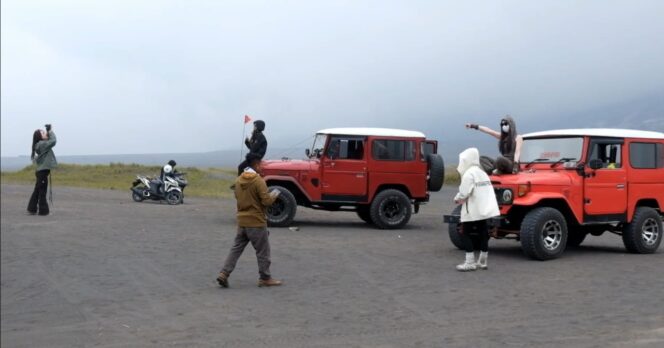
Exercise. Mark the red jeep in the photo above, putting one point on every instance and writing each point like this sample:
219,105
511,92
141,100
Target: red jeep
378,173
577,182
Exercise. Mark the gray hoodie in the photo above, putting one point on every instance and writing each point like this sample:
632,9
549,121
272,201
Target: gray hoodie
475,188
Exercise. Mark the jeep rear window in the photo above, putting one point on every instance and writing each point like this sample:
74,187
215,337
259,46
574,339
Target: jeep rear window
551,149
646,155
393,150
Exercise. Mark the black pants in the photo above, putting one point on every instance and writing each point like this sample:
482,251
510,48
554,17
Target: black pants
38,198
241,167
475,236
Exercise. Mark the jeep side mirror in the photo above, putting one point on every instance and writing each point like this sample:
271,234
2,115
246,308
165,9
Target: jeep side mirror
595,164
307,152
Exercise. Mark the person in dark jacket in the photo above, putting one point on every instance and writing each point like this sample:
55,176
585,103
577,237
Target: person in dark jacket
257,145
42,155
253,198
509,144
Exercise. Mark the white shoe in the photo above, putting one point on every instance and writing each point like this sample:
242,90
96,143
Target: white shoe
482,262
469,265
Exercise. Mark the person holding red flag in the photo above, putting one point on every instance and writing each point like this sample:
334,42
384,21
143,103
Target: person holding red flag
257,144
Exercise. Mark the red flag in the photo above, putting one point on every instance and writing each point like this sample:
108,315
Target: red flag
247,119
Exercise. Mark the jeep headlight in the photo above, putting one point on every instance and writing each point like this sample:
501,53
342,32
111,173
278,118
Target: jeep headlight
507,196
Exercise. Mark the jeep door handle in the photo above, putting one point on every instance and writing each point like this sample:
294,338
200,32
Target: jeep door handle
620,186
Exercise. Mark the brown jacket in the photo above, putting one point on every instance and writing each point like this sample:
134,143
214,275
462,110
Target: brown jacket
252,200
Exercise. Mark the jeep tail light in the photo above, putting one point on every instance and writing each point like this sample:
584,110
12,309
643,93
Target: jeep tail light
523,189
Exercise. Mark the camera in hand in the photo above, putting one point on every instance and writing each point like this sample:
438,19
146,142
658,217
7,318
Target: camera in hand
48,127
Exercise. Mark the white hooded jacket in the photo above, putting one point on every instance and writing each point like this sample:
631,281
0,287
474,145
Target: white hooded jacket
475,189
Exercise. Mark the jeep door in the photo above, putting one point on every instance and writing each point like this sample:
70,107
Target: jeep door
344,169
605,188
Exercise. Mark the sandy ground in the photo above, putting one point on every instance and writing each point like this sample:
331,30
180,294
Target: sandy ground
103,271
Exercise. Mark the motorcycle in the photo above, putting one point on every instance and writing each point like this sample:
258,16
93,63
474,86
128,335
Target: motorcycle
170,189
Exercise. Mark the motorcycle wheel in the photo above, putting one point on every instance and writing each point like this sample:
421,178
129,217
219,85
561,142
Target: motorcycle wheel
136,197
174,197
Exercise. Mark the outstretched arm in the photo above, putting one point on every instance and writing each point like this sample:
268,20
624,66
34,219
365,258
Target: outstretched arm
484,129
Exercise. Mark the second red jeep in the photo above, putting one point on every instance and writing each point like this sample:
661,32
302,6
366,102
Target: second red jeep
381,174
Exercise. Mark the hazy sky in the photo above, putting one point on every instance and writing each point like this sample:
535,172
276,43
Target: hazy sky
178,76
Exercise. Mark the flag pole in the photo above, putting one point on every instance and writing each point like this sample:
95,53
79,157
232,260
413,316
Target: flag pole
244,126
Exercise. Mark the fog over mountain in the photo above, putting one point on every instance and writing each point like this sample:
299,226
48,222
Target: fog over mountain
164,77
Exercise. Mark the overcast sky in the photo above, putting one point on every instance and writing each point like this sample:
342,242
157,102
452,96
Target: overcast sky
178,76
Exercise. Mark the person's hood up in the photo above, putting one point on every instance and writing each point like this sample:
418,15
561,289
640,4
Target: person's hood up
512,133
260,125
247,178
468,158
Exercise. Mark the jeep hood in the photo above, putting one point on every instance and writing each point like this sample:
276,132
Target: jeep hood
270,166
541,177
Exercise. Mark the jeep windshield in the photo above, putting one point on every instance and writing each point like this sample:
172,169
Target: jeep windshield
319,145
551,150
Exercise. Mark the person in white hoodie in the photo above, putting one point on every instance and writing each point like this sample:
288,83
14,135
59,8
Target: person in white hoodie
479,204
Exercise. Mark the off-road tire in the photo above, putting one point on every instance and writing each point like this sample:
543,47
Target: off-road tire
436,172
174,197
390,209
363,211
454,229
543,233
282,212
644,234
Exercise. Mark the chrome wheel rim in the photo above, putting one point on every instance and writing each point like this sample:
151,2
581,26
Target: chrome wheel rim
650,231
552,235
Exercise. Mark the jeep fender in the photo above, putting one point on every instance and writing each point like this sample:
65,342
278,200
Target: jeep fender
290,180
534,198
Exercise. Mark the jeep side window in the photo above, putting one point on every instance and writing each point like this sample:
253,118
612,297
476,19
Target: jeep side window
609,154
646,155
341,148
393,150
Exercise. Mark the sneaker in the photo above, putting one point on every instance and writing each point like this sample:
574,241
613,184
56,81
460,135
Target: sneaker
466,267
222,279
482,265
482,262
268,282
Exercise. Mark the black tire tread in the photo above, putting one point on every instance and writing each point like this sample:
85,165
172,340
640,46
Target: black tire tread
455,237
530,233
289,200
631,235
375,209
436,172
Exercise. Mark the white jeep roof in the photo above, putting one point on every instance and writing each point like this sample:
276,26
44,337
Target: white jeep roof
598,132
381,132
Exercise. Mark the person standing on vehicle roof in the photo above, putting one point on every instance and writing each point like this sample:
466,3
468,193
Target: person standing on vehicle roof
509,144
478,205
253,199
257,145
42,155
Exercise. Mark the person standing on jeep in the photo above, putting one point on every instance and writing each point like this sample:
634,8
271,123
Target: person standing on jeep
257,145
479,204
509,144
252,201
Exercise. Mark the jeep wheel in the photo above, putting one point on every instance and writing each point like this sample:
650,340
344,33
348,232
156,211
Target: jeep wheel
543,233
390,209
364,213
644,234
436,172
282,211
454,230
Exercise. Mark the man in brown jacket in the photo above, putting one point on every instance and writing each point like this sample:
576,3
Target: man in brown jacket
252,201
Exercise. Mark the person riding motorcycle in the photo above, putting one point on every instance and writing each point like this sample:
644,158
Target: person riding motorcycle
167,170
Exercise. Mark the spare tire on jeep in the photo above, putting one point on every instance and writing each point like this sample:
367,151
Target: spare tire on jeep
436,172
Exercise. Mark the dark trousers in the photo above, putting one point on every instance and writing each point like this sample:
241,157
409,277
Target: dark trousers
258,236
38,198
241,167
475,236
